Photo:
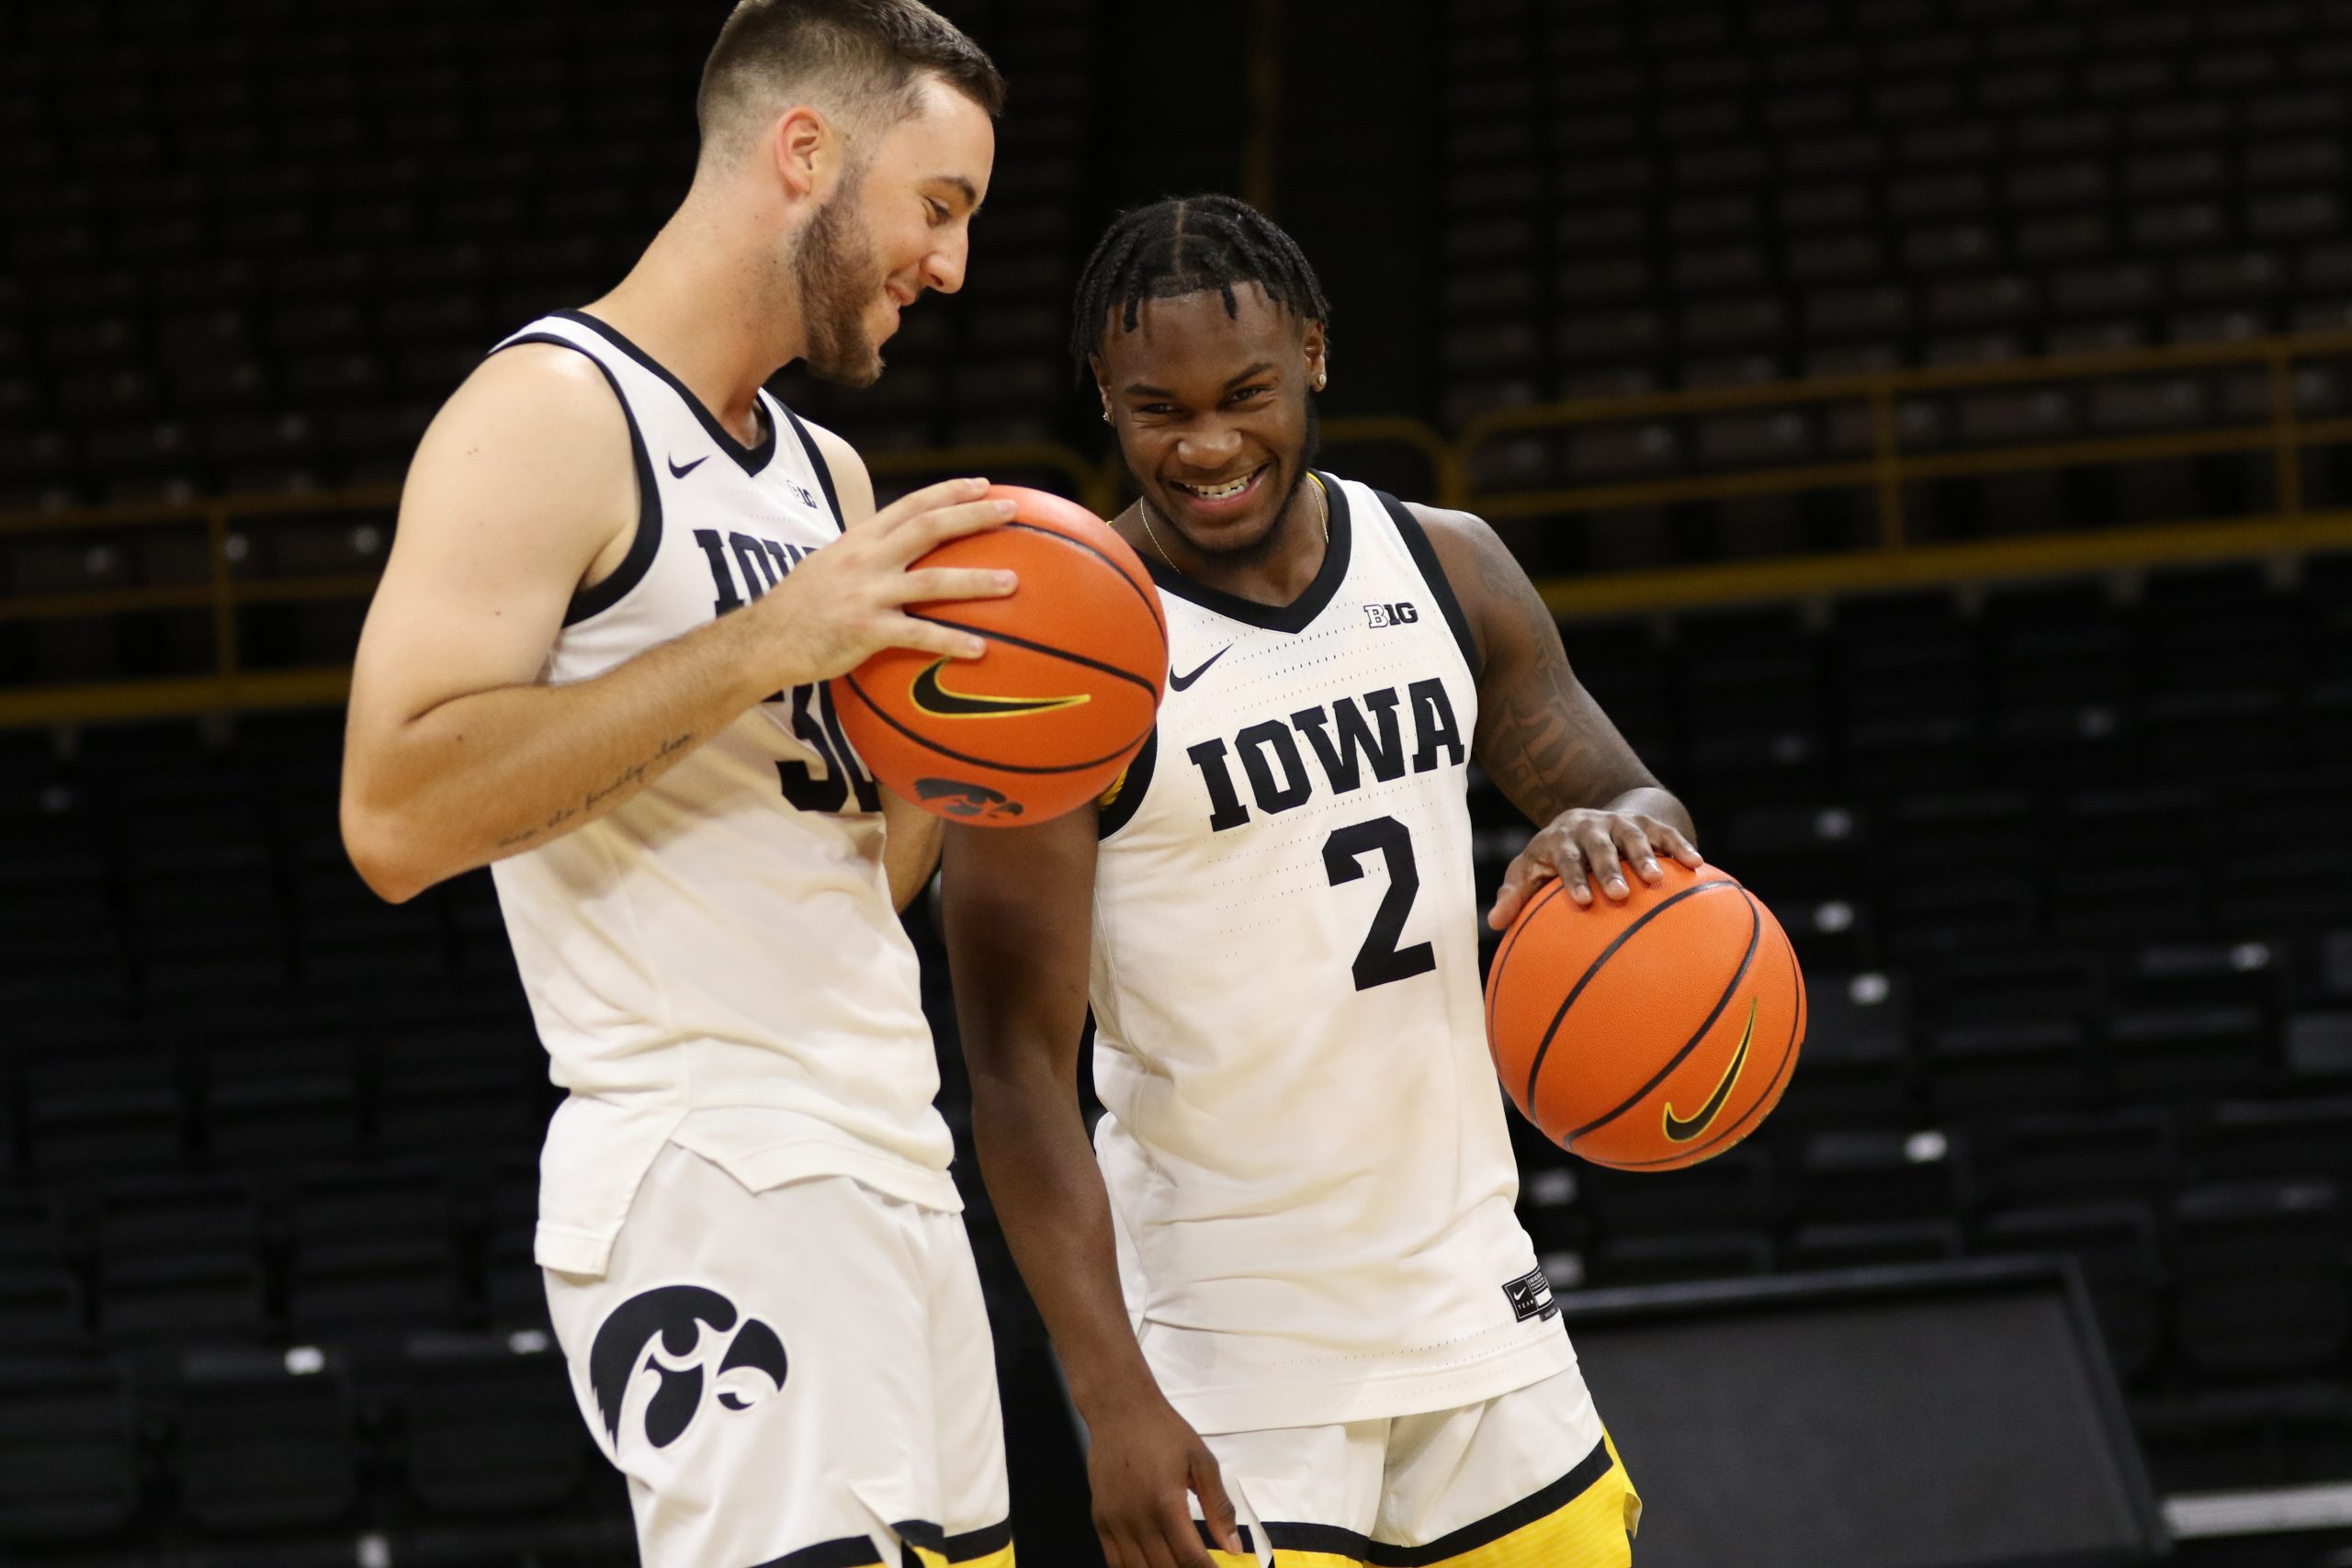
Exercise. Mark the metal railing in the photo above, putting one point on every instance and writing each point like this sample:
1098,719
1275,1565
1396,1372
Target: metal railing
1882,445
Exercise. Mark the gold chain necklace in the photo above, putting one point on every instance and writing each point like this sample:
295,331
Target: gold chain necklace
1144,507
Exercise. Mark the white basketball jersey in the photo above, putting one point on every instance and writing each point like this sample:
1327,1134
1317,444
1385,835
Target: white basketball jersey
1305,1149
716,962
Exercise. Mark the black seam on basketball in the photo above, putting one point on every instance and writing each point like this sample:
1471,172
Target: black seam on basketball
1738,1127
1755,935
928,744
1543,1048
1151,601
1510,940
1127,675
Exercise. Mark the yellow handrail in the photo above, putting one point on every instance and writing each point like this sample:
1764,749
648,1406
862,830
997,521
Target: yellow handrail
1880,466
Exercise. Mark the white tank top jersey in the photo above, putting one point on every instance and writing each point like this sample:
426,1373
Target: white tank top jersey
717,963
1309,1169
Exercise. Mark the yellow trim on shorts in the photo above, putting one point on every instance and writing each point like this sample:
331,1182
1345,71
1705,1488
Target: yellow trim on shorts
1593,1530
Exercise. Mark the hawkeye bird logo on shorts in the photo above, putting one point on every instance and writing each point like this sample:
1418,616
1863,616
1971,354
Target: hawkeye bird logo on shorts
935,699
662,1331
1681,1131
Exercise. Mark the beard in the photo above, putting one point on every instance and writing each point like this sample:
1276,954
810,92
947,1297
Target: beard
837,279
1250,551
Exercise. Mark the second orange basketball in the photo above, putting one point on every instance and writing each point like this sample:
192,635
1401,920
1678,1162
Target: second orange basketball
1063,698
1649,1035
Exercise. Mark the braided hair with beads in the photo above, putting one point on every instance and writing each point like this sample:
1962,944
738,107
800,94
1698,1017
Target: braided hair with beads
1188,245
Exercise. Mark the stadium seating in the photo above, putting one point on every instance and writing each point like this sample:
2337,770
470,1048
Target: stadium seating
2006,1054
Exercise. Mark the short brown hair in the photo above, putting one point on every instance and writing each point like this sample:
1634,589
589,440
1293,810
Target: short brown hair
864,61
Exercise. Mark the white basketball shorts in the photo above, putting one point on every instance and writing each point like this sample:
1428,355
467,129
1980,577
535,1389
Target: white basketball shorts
791,1378
1527,1480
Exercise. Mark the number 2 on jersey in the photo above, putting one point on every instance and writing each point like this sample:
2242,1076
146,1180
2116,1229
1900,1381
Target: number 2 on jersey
1380,960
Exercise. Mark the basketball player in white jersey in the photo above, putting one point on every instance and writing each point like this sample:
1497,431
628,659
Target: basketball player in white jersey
1288,1277
622,572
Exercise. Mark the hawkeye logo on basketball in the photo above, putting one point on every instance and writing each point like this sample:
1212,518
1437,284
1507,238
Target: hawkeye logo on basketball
1402,614
1343,740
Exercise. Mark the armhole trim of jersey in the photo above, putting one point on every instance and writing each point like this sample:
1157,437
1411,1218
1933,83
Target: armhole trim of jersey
1424,554
1132,784
601,597
817,461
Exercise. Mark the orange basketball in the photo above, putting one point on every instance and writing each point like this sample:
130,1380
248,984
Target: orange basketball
1061,701
1652,1033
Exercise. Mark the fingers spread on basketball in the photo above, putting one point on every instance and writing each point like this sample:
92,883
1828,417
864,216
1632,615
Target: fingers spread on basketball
1635,834
916,502
919,635
1595,835
930,585
1668,837
1526,873
918,535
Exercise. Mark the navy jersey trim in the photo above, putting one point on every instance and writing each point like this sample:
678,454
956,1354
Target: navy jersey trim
1294,617
817,461
976,1544
1132,784
751,459
1416,536
599,597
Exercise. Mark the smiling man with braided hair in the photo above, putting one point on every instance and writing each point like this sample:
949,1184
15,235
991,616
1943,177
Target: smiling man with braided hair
1288,1279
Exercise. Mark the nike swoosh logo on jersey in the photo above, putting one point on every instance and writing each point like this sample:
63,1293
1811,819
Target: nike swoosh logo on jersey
934,698
679,471
1184,683
1680,1131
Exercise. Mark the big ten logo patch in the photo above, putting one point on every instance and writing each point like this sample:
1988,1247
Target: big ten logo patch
1402,614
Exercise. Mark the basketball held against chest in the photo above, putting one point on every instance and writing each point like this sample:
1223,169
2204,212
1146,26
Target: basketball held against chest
1061,702
1647,1034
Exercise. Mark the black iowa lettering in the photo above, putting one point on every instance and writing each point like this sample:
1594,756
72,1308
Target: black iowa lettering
760,563
1346,737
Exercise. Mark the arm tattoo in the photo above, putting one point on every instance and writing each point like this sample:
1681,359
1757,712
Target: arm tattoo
1541,737
632,774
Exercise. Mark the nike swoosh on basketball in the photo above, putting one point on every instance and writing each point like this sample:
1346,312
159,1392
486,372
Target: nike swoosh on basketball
1681,1131
679,471
935,699
1182,682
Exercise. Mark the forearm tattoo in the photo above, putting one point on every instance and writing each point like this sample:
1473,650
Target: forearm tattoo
635,773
